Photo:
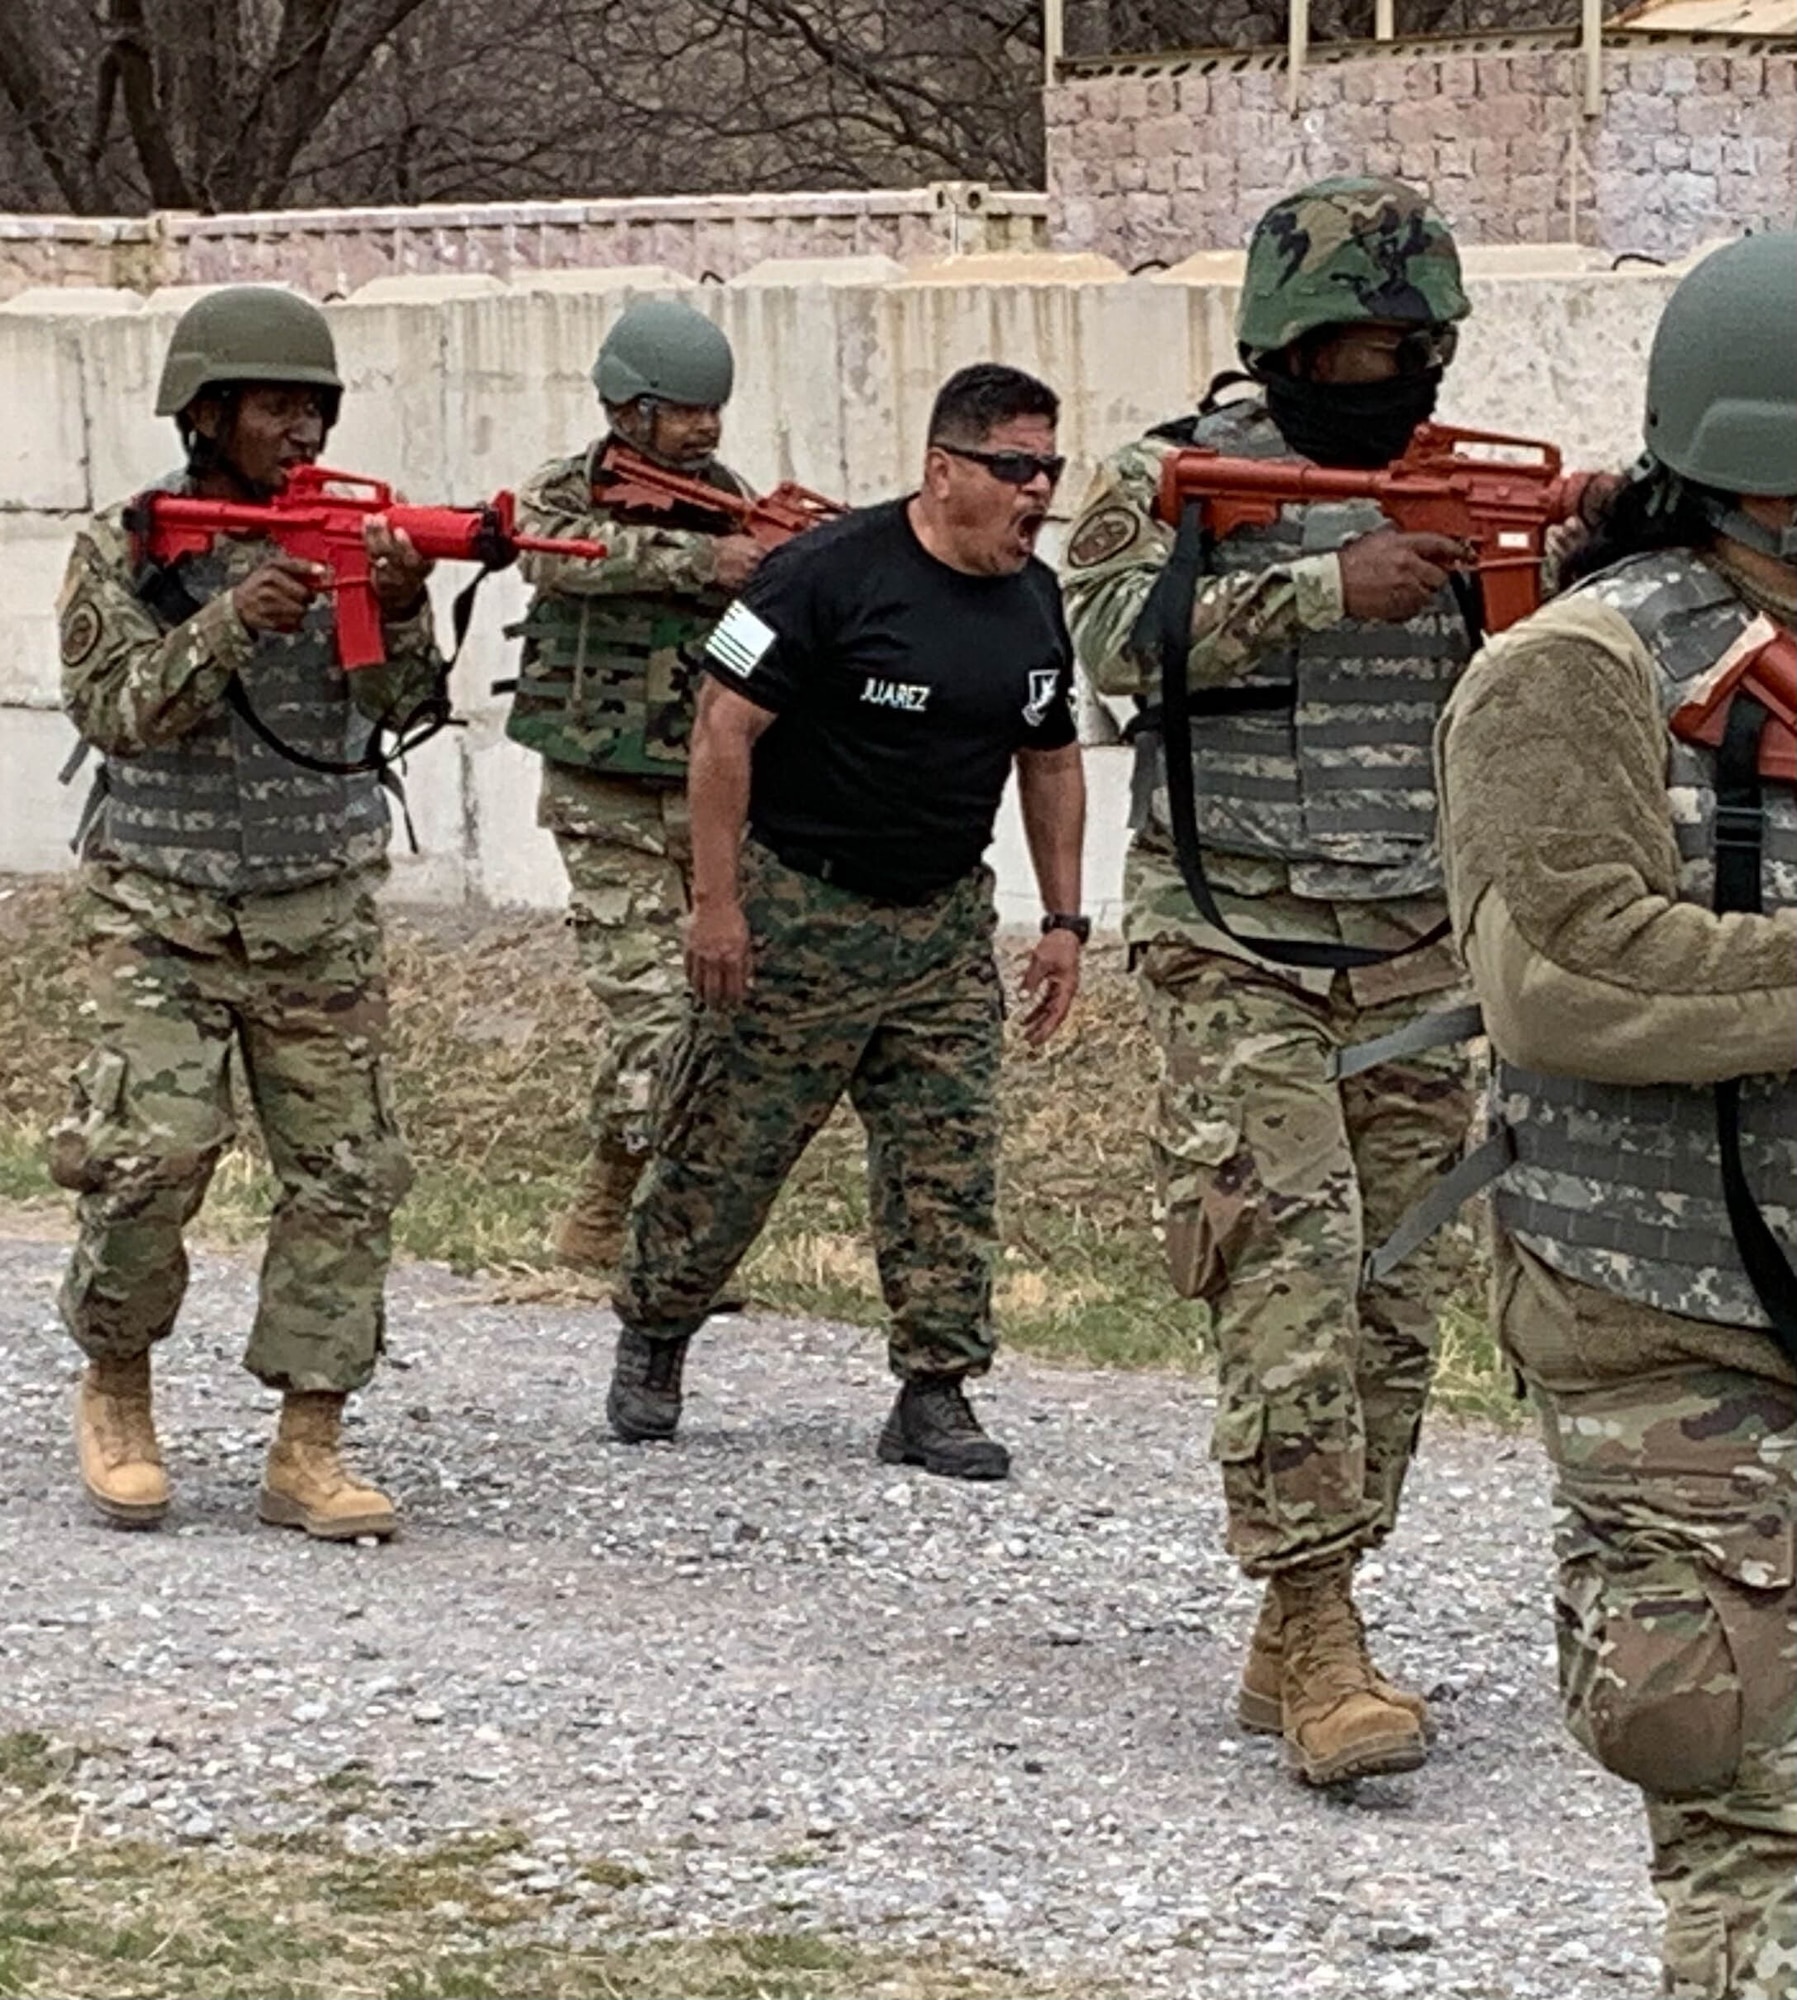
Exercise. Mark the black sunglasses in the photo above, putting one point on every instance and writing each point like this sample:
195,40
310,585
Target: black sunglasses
1015,468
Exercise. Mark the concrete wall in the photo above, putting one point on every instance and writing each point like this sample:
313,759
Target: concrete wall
330,252
1154,160
459,387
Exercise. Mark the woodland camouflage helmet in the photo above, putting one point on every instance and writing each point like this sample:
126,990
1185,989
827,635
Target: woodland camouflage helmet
1722,377
660,347
246,333
1352,248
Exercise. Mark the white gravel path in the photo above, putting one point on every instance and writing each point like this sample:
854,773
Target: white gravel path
794,1687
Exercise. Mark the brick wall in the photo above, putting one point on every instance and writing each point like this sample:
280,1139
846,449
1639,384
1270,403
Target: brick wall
1152,162
330,252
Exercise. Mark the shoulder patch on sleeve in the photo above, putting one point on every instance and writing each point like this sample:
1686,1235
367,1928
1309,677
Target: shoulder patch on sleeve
80,632
740,640
1102,535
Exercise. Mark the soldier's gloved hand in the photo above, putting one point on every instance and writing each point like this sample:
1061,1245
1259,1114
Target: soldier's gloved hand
276,597
736,559
1389,577
720,964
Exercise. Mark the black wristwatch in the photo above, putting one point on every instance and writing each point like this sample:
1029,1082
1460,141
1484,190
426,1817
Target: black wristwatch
1063,920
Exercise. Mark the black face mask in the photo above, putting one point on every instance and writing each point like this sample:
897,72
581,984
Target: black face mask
1360,424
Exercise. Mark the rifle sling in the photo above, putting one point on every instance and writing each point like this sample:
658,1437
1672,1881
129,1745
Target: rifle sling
1469,597
1740,836
1165,626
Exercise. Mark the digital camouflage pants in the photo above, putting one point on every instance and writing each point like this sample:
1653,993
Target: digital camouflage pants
294,986
1275,1180
1678,1649
627,848
901,1009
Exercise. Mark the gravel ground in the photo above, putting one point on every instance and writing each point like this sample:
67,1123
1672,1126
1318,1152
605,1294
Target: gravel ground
794,1687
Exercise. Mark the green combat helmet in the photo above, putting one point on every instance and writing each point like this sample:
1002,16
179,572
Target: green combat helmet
1352,248
246,333
662,348
1722,377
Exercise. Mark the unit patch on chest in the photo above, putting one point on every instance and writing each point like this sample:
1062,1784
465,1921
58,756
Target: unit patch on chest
906,695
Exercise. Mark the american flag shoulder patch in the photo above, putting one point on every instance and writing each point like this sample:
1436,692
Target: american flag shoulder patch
739,641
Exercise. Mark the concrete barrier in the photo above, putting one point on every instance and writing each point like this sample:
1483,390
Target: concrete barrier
458,389
328,252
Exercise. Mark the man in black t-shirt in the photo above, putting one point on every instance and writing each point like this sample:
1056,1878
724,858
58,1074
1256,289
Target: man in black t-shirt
868,696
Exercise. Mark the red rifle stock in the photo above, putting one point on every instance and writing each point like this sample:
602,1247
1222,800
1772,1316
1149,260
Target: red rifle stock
638,482
1761,663
319,516
1502,507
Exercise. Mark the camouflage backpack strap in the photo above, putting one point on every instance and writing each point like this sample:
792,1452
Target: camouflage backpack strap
1144,731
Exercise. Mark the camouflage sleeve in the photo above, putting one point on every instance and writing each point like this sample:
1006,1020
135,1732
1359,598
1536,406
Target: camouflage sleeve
414,673
1116,551
127,684
1563,871
558,501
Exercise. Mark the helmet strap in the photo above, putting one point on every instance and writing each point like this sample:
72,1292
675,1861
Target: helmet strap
207,456
1740,526
646,442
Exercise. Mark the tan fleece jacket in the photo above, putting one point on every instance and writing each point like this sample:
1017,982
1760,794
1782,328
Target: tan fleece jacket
1562,878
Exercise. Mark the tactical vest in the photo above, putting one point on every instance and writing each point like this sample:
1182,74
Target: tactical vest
1342,778
221,809
607,682
1620,1186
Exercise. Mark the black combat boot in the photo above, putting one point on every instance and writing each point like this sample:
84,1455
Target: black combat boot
933,1425
644,1399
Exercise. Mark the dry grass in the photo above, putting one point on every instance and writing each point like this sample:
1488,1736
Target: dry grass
306,1919
490,1046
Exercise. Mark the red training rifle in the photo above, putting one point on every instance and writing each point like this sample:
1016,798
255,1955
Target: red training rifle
633,481
319,516
1497,494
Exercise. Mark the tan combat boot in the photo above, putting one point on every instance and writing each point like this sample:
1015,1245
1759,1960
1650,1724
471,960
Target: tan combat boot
121,1462
1337,1724
590,1237
1259,1710
306,1484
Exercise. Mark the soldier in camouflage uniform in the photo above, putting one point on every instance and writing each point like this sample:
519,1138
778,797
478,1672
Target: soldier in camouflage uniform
230,901
1316,813
605,697
1585,847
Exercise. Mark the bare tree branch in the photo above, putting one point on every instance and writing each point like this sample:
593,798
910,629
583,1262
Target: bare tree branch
114,105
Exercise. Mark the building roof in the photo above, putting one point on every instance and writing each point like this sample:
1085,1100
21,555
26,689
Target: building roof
1708,17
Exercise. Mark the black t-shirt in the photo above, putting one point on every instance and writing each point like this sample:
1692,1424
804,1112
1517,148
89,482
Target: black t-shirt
902,690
